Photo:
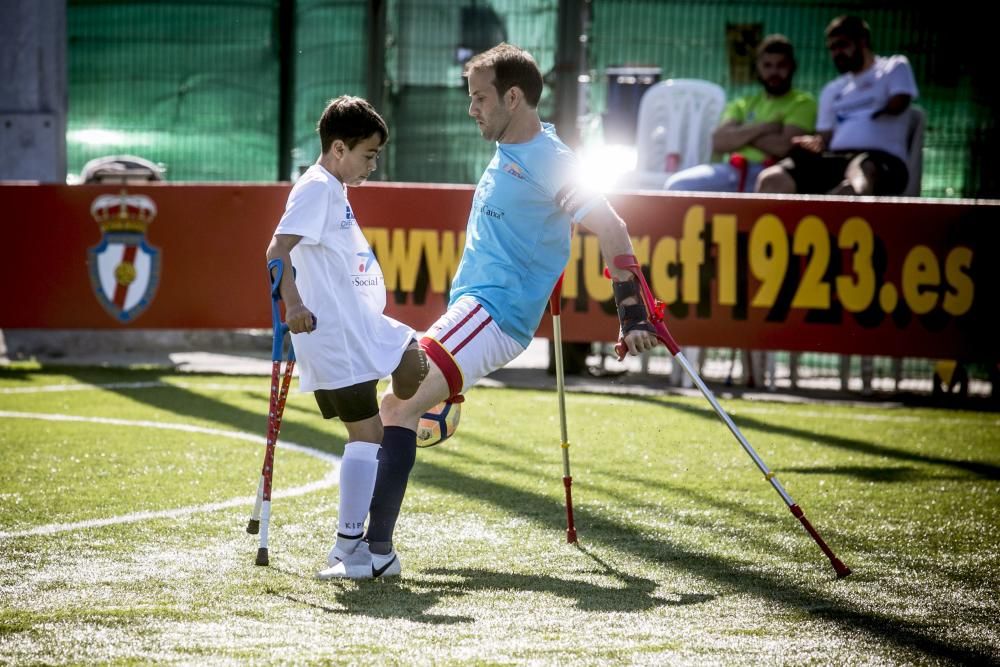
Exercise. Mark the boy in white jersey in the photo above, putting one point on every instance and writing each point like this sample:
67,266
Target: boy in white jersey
861,144
344,344
517,245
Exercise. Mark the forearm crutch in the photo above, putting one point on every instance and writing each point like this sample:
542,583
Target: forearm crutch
260,519
630,263
555,308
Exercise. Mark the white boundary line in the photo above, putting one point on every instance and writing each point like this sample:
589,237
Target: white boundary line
150,384
331,479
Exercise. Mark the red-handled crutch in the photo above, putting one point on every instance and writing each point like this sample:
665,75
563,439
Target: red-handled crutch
555,307
260,519
655,309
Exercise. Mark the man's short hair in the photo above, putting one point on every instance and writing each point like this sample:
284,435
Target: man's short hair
854,28
511,67
776,44
350,119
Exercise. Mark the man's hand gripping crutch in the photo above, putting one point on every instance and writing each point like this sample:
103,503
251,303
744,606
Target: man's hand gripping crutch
260,519
638,310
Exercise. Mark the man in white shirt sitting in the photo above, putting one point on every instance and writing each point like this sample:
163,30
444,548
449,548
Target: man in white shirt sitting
860,146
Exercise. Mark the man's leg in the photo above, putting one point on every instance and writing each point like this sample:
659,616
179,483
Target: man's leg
396,458
464,345
859,177
715,177
776,180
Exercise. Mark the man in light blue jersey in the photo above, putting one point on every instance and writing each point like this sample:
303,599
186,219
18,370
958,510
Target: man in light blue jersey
517,244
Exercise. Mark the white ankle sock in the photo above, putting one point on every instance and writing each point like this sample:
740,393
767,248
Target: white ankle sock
357,481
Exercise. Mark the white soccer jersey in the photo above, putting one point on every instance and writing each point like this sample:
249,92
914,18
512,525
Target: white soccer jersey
341,282
847,103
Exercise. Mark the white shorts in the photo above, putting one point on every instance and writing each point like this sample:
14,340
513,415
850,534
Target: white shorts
466,344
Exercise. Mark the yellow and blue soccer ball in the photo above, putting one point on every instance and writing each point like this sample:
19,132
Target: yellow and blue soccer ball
439,423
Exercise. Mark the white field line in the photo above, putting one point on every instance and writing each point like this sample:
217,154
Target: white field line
331,479
152,384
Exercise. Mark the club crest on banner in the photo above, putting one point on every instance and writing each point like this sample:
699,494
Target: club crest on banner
124,268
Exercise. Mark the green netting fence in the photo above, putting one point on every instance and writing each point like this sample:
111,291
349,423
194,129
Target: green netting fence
197,86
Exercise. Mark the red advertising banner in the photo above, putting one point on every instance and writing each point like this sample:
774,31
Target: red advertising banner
893,277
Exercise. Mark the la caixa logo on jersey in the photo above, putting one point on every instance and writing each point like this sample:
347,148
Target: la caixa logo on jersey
124,268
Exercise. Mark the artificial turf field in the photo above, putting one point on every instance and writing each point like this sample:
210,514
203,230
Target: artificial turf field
124,496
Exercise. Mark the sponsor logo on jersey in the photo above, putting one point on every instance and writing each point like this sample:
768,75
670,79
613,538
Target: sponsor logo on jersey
491,211
369,257
366,280
124,269
348,220
363,278
514,170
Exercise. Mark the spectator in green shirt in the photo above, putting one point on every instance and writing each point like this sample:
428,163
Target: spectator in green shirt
756,130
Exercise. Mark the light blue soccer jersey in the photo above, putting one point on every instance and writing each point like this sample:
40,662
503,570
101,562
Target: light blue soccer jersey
517,240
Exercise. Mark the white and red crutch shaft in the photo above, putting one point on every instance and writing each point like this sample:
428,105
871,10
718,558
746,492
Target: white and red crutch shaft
555,308
260,518
631,264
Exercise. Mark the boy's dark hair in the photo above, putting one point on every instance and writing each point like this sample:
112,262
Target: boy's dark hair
776,44
511,67
350,119
854,28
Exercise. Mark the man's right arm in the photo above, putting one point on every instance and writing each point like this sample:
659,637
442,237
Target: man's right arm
613,238
734,135
896,105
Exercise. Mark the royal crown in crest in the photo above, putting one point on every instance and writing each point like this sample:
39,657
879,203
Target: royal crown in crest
123,213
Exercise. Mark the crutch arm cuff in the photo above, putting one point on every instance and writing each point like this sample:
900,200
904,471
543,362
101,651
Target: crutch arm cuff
653,309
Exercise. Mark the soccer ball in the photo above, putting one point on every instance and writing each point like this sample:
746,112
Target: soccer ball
439,423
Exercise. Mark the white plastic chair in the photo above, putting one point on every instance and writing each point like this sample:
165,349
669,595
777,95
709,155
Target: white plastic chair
675,125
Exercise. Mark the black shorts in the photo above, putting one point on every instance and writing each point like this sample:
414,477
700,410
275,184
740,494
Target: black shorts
351,404
818,173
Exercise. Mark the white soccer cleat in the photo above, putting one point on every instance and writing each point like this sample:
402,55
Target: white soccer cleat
356,565
390,568
361,553
361,565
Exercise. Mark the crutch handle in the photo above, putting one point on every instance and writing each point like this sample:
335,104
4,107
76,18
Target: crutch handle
275,270
653,307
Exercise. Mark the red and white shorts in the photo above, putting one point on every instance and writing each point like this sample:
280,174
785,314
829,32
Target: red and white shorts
466,344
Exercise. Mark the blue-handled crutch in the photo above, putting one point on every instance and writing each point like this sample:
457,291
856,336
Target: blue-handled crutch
261,517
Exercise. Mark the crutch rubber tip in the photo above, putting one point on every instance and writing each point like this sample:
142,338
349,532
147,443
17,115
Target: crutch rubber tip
842,570
262,556
253,526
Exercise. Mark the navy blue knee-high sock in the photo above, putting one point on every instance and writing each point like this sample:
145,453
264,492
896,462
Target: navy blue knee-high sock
395,460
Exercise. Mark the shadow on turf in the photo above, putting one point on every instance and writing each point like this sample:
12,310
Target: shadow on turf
401,602
601,530
381,598
410,598
734,573
188,404
984,470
